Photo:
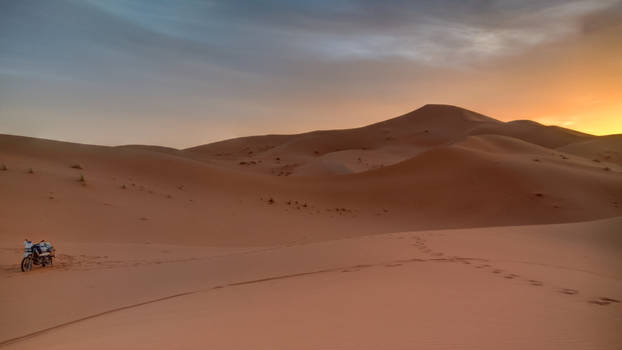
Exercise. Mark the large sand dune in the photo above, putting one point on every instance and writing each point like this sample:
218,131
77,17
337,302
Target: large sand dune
289,241
402,174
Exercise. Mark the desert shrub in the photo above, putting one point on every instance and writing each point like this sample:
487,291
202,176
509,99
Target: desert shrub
3,167
76,166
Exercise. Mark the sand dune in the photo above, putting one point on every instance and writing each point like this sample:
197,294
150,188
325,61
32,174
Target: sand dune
356,150
606,149
290,239
145,195
402,174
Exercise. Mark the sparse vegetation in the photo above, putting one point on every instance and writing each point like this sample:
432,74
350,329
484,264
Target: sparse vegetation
30,171
76,166
3,167
538,194
607,169
82,180
271,201
123,187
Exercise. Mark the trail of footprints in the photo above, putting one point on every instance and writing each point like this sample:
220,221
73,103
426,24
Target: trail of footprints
86,263
420,244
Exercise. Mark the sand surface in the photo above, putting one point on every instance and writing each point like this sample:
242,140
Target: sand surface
557,286
438,229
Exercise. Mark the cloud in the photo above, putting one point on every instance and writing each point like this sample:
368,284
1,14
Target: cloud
293,65
420,31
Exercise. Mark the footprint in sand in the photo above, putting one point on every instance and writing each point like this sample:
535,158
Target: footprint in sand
569,291
482,266
603,301
497,271
535,283
511,276
393,265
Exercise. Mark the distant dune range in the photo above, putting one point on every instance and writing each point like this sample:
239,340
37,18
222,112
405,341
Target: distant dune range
406,173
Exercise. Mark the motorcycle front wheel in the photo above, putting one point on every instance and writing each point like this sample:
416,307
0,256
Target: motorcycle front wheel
26,264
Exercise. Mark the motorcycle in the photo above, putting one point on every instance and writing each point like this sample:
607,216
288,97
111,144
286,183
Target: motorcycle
41,253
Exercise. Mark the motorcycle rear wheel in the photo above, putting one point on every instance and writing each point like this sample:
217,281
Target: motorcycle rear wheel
26,264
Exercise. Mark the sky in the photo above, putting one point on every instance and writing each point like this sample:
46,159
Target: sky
189,72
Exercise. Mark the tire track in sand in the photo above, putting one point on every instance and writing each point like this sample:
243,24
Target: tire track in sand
178,295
